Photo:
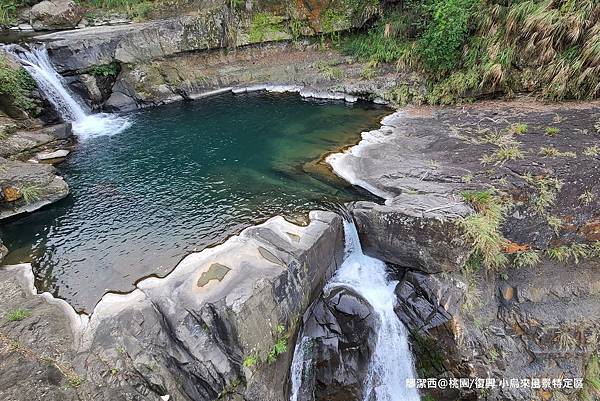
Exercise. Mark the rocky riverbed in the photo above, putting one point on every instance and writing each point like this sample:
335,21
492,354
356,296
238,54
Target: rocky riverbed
210,329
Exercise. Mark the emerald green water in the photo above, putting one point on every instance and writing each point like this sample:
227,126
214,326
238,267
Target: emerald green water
184,176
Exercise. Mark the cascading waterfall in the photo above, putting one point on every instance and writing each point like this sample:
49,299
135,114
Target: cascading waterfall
391,363
38,65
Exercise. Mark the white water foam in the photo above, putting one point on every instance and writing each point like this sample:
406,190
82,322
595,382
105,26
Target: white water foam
38,65
391,363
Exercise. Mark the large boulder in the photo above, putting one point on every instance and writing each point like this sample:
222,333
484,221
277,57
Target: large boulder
55,14
340,331
417,231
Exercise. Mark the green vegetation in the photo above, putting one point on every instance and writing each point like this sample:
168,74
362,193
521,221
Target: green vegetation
551,151
519,129
551,131
106,70
251,360
591,379
264,25
592,151
280,345
329,70
503,154
18,314
30,193
136,9
7,131
527,258
16,84
586,198
483,227
548,188
555,224
574,252
278,348
465,48
8,12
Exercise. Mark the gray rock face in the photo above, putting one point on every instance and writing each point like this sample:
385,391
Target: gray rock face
425,302
416,231
341,328
3,251
55,14
133,43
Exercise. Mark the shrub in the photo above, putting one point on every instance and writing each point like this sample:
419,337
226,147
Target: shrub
16,84
105,70
440,47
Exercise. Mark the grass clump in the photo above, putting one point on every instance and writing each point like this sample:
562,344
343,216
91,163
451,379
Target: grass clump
527,258
519,129
18,314
574,252
251,360
592,151
547,187
8,12
555,224
483,227
503,154
551,131
551,151
586,198
30,193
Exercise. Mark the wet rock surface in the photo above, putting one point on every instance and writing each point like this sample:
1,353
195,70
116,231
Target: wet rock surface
342,328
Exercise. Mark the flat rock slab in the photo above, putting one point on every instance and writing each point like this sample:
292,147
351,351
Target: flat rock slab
40,180
57,154
21,142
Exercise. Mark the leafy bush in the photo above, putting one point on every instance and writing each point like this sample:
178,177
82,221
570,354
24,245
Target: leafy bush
16,84
467,48
440,48
105,70
8,10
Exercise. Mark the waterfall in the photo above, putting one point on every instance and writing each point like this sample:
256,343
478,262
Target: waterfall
391,363
85,125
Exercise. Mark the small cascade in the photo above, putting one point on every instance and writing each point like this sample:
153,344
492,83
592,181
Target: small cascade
391,363
85,125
